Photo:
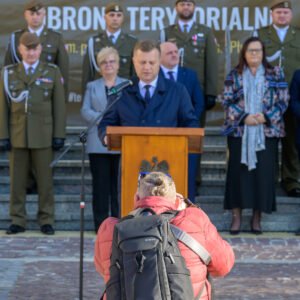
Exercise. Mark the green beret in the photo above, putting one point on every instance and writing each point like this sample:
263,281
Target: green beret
281,4
34,5
192,1
114,7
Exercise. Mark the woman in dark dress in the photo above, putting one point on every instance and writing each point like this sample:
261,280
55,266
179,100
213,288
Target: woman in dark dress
255,97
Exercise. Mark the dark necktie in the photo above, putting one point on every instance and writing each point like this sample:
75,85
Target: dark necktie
30,71
147,94
171,76
185,28
112,38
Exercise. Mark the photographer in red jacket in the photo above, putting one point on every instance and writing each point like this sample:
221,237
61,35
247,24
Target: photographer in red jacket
157,191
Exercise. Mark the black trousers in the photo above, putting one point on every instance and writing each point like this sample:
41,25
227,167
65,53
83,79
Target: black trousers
105,170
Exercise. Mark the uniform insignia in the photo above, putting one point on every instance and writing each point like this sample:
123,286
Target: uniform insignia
46,94
196,50
124,60
10,71
11,86
49,46
49,57
37,82
97,39
45,80
200,34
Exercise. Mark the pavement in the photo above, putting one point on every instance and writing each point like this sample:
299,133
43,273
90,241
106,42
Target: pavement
38,267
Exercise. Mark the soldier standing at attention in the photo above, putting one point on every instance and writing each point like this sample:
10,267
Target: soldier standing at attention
32,125
282,42
197,46
113,36
53,51
53,47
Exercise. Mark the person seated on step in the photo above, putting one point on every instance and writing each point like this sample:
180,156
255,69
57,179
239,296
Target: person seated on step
157,191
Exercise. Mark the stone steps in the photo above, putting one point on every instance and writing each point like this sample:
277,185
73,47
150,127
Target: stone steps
67,213
67,188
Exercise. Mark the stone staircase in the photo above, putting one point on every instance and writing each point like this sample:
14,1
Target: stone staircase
67,180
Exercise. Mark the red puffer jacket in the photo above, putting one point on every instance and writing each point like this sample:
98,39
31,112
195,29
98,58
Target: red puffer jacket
193,221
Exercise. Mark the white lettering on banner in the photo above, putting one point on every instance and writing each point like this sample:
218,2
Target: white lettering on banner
146,18
71,18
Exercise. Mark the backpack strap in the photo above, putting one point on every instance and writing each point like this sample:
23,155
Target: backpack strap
190,242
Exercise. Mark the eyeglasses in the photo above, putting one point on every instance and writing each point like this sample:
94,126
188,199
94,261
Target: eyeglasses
108,62
254,51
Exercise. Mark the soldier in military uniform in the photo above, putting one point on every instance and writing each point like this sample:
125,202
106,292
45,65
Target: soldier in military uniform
53,47
53,51
32,124
197,46
113,36
282,42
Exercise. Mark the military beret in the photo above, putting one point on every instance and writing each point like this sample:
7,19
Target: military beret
281,4
115,7
34,5
29,40
184,1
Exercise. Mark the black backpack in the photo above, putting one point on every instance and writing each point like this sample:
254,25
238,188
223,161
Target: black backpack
146,263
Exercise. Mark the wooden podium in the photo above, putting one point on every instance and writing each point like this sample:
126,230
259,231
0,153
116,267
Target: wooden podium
145,143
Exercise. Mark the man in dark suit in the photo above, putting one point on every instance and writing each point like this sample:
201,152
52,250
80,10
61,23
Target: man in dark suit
32,125
295,108
169,68
152,100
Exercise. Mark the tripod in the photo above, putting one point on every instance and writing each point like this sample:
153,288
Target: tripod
112,99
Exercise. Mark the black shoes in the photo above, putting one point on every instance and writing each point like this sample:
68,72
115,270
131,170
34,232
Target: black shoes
47,229
297,232
294,193
14,229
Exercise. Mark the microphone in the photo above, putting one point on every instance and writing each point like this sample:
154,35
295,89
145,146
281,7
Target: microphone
118,88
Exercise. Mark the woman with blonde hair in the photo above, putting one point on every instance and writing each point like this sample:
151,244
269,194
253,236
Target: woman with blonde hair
104,164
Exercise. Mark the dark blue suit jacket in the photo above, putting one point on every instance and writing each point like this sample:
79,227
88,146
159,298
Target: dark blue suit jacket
189,79
170,106
295,102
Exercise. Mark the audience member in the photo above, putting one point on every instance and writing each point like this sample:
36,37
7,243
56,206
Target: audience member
157,191
255,98
104,164
32,119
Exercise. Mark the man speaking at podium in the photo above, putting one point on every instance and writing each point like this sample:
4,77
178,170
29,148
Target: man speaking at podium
152,100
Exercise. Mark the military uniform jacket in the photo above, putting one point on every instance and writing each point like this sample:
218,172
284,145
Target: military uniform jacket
200,53
53,51
290,57
32,123
124,45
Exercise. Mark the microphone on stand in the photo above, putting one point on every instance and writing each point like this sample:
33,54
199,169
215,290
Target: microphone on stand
118,88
